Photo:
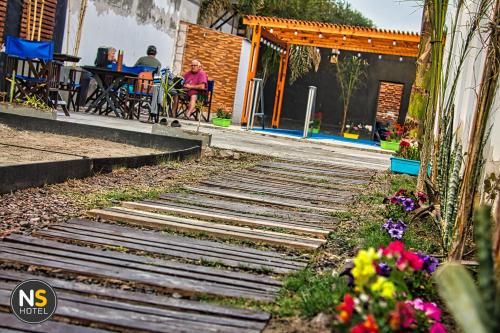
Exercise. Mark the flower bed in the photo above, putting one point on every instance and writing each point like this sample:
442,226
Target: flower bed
389,145
390,286
221,122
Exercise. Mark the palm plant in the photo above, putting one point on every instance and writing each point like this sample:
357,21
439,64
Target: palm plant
350,73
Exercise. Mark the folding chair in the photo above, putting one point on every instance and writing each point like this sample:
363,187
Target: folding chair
205,97
139,94
31,66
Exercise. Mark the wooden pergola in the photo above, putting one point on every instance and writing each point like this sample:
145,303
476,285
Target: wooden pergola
281,34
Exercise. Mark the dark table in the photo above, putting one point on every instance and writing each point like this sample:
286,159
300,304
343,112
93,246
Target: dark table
109,83
66,57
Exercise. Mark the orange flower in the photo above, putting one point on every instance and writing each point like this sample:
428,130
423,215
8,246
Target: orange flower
368,326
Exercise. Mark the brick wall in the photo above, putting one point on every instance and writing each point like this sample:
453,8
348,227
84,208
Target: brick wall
389,102
219,54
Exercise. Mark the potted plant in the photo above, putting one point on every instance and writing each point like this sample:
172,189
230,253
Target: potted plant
223,118
316,124
407,159
394,135
352,131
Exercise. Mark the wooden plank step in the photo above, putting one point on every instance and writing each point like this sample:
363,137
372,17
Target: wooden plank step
158,273
120,316
140,241
256,209
148,264
9,323
159,221
326,165
250,175
310,177
298,228
136,297
293,194
333,169
298,192
269,200
316,170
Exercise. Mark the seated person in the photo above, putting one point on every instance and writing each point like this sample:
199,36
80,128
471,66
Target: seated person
150,59
111,52
195,83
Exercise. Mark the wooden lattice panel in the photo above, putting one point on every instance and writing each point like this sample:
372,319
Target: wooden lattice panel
49,15
3,14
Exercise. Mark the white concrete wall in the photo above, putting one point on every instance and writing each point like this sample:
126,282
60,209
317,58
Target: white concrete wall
468,89
241,82
129,25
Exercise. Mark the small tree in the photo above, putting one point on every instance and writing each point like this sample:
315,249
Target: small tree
350,73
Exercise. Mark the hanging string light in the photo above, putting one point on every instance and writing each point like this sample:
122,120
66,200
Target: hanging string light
394,43
380,57
369,40
344,37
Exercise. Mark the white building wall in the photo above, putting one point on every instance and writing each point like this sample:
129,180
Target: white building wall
468,89
129,25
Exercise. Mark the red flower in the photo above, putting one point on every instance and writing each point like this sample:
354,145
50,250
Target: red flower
404,143
411,259
402,317
368,326
346,308
394,248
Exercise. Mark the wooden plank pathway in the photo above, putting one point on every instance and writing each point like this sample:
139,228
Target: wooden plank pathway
115,309
293,227
256,209
184,279
284,203
91,233
162,222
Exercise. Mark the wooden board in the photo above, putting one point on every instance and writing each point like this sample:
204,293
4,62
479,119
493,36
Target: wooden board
309,177
277,192
220,205
49,15
183,305
159,221
296,228
88,232
114,314
9,323
166,275
317,170
269,200
292,180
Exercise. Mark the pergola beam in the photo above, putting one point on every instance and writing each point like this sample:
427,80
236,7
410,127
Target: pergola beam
285,33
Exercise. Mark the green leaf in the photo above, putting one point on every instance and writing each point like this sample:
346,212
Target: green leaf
456,287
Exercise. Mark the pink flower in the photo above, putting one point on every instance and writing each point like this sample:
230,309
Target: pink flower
432,311
437,328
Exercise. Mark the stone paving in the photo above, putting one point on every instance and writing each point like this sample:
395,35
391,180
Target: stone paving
235,138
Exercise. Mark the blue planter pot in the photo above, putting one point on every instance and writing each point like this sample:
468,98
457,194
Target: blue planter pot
409,167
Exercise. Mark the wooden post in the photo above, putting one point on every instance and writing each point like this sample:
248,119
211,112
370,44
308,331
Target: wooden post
280,87
252,68
32,36
40,21
81,17
68,26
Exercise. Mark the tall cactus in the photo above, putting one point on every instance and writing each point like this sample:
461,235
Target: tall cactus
475,308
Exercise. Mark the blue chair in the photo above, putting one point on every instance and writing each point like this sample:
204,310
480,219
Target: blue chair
37,74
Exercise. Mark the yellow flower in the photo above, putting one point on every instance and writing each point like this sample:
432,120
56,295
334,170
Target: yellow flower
363,266
384,287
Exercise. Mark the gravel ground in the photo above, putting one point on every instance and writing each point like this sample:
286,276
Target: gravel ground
29,146
34,208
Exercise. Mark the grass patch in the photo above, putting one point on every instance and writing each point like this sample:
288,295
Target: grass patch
307,293
342,215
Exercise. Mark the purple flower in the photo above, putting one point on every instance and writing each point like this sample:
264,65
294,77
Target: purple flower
395,229
430,263
383,269
396,233
408,204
